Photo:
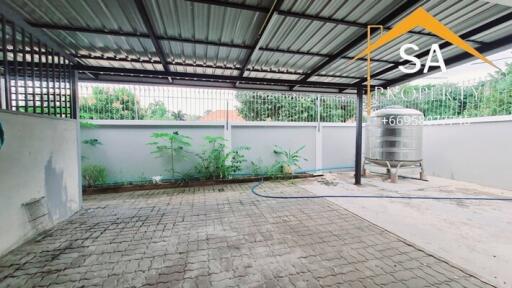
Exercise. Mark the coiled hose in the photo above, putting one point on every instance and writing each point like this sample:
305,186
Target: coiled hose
255,186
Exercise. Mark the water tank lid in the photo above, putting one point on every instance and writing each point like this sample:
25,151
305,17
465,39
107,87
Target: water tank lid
396,110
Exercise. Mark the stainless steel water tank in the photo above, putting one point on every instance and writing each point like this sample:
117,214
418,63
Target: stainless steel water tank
394,135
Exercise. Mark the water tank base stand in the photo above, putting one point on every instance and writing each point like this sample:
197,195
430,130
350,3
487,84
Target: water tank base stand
393,175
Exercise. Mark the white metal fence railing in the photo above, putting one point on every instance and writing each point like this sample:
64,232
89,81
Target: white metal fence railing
136,102
489,97
481,98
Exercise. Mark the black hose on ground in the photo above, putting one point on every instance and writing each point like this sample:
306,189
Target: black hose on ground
255,186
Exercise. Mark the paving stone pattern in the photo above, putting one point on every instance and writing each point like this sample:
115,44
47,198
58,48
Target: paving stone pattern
221,236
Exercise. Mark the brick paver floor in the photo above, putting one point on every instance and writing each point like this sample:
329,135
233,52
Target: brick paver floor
221,236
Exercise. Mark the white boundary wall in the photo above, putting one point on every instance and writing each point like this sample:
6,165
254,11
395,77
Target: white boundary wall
39,158
477,152
127,156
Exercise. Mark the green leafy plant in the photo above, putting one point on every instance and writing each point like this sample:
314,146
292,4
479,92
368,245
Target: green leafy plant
110,103
157,111
86,124
94,174
216,162
171,146
287,160
257,169
179,115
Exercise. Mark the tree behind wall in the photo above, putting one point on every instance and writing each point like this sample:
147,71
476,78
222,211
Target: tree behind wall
108,104
273,106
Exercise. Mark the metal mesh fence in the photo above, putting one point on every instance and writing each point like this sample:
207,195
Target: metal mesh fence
489,97
143,102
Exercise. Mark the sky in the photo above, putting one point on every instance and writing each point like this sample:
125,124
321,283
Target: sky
473,70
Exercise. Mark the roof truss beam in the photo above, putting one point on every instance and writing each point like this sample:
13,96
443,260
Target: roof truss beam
494,45
354,24
230,68
13,16
361,38
210,77
187,41
152,34
268,20
493,23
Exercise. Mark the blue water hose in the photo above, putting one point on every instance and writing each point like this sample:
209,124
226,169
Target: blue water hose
255,186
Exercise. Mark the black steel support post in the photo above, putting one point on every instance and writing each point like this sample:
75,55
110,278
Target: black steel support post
7,77
74,94
359,136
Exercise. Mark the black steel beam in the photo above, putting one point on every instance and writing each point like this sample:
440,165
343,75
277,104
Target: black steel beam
74,94
290,14
152,34
182,65
271,13
198,65
16,18
117,33
7,81
493,23
322,55
407,5
253,8
355,24
207,77
359,136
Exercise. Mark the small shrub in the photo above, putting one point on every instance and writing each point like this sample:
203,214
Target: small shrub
216,163
257,169
287,160
171,146
93,142
93,174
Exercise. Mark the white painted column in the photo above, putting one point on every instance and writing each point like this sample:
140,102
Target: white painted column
318,138
227,129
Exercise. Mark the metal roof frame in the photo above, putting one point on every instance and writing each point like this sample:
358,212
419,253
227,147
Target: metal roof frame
244,68
268,20
116,33
455,59
199,65
308,17
210,77
152,34
406,6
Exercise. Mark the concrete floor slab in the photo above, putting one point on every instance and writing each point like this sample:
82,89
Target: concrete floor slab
222,236
476,235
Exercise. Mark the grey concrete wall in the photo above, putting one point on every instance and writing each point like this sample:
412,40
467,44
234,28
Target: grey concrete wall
262,138
127,156
125,152
479,152
39,158
339,142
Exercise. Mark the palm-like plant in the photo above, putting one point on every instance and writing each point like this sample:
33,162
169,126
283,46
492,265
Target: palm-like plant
287,159
179,115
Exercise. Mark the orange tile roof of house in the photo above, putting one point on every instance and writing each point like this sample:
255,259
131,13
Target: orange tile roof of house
220,115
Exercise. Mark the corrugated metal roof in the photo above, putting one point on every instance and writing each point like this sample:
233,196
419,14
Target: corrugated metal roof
230,26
